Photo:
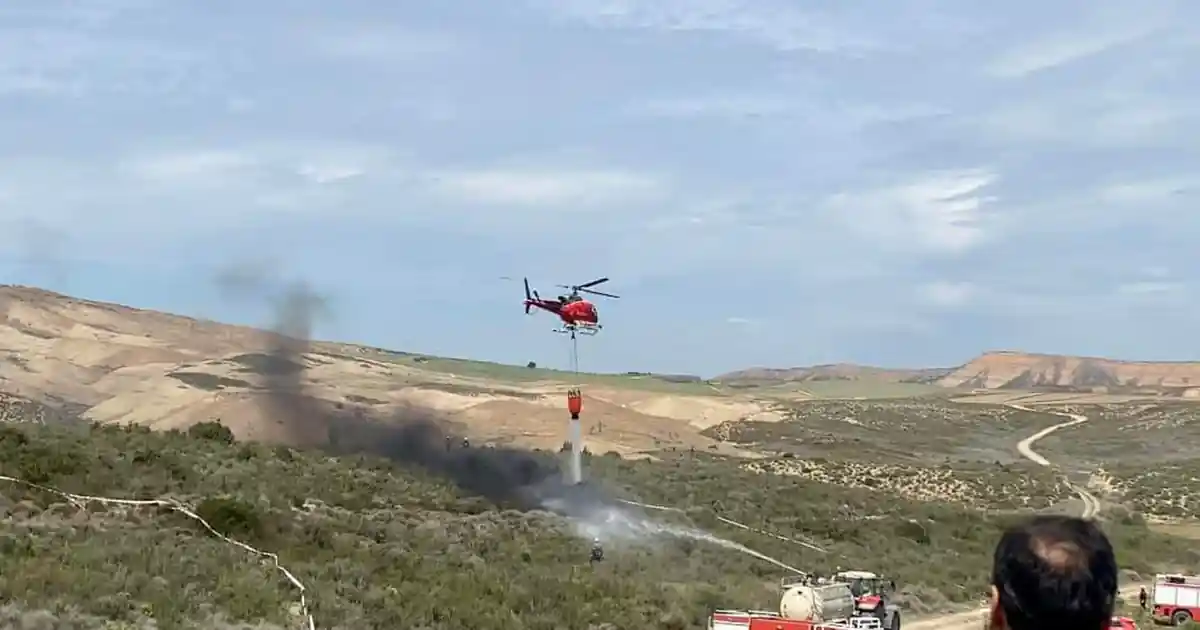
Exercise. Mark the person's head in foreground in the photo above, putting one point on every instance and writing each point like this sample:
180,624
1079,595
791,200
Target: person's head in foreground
1053,573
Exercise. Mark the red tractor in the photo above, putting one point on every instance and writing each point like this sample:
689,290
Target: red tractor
872,596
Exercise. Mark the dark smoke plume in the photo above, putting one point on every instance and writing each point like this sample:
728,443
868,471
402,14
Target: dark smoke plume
411,435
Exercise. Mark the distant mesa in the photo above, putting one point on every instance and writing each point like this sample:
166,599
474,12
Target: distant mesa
833,372
1030,371
1004,370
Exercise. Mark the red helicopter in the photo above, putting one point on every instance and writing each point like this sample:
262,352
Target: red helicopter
577,314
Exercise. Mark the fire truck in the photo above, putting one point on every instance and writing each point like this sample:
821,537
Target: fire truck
1176,598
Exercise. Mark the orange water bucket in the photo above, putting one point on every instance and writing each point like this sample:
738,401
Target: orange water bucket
574,401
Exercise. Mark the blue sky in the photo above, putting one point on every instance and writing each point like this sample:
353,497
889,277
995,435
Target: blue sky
767,182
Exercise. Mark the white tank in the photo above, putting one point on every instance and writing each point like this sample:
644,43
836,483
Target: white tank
802,602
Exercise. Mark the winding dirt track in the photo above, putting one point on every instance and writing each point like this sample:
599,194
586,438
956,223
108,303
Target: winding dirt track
972,619
1091,504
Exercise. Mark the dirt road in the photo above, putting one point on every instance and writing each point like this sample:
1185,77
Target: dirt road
1091,505
974,619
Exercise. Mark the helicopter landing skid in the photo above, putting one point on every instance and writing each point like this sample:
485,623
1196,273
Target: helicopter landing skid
582,329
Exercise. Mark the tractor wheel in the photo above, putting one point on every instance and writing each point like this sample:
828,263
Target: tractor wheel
1180,617
895,625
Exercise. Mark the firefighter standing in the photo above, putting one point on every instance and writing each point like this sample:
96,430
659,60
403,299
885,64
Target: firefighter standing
597,552
1142,597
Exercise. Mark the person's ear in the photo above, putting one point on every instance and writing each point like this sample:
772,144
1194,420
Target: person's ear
995,619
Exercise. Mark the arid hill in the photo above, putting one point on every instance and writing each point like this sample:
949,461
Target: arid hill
1006,371
833,372
116,364
1026,371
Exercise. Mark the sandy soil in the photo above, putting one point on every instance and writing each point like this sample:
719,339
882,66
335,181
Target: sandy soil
165,371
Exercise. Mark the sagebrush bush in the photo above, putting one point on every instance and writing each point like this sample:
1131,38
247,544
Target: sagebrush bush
383,546
211,430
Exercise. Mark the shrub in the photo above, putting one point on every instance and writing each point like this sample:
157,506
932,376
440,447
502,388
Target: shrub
380,545
211,430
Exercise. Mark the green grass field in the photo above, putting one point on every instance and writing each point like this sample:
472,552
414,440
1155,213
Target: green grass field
911,431
841,389
522,374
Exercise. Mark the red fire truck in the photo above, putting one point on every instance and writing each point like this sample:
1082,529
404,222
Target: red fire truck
1176,598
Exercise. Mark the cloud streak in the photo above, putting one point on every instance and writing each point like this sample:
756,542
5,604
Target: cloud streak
550,187
937,213
778,25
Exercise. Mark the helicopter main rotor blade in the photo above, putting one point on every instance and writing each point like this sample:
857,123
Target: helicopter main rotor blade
598,293
592,283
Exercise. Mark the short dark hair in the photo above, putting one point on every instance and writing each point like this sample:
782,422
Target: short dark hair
1055,573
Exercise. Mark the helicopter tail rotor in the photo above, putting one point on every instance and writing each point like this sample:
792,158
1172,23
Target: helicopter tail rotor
528,296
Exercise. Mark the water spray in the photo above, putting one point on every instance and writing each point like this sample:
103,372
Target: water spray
605,521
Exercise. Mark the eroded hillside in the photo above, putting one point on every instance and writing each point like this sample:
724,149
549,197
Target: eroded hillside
1017,370
116,364
1004,371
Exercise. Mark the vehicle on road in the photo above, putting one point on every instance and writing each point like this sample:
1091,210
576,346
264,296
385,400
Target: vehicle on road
1123,623
807,604
873,596
1176,599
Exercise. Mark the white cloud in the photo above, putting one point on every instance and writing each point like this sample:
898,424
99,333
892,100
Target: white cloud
549,187
1094,30
240,105
1062,49
383,43
1087,119
1149,288
777,24
201,166
725,106
30,82
754,107
329,173
317,162
71,60
944,294
941,212
1156,190
88,13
